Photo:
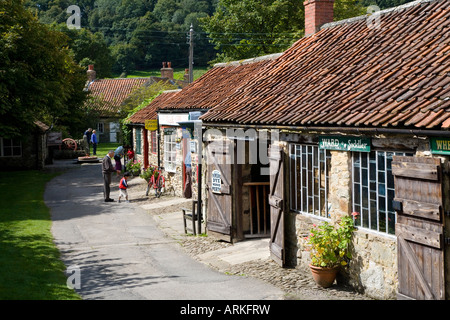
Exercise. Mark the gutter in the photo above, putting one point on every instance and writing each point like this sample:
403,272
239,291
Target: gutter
415,132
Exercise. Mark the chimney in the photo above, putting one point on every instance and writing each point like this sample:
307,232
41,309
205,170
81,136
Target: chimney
317,13
186,75
91,74
167,71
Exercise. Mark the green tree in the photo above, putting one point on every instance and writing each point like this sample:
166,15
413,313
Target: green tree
249,28
38,76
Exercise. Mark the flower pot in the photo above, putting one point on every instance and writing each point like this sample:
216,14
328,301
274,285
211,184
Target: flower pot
324,277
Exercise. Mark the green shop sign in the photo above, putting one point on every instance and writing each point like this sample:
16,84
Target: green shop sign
344,143
440,145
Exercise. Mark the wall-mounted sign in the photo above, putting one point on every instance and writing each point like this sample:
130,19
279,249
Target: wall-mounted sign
440,145
216,181
54,138
172,119
344,143
151,125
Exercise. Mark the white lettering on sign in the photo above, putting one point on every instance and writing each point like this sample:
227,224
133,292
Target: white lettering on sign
216,181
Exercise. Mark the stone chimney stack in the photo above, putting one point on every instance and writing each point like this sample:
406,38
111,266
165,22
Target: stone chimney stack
317,13
91,74
167,71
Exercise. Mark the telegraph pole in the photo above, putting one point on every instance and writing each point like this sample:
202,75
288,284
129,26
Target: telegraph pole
191,54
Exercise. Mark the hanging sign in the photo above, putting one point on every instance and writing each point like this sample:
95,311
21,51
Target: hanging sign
440,145
344,143
216,183
151,125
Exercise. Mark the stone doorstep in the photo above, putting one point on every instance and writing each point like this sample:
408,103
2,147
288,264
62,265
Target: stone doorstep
238,253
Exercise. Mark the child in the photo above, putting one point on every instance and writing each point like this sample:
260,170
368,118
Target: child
123,187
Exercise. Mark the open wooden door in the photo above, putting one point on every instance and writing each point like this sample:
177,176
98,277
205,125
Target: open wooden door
218,185
276,203
419,228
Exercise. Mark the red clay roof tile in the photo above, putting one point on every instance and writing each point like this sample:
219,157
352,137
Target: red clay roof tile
349,74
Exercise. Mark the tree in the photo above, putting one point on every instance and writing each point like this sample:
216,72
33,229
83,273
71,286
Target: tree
249,28
38,76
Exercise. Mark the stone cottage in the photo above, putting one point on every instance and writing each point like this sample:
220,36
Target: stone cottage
107,96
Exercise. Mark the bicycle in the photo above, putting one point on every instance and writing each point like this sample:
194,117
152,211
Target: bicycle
157,182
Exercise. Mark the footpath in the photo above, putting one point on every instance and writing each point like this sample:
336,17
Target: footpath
250,258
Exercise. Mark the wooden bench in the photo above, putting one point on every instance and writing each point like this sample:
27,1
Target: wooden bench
190,214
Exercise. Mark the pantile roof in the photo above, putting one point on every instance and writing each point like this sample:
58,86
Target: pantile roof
347,74
149,112
113,92
216,84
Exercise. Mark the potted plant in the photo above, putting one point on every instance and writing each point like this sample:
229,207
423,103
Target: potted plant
329,249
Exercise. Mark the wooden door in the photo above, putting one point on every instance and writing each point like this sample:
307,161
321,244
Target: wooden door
419,228
218,184
276,203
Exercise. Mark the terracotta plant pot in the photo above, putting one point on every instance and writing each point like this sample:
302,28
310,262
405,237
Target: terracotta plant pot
324,277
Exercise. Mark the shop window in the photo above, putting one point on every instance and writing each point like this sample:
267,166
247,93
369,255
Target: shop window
309,179
10,147
154,142
170,151
138,140
373,190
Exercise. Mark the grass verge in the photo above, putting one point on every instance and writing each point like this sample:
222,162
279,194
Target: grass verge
30,265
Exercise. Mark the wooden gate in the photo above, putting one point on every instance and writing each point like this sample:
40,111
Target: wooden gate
419,228
276,202
218,185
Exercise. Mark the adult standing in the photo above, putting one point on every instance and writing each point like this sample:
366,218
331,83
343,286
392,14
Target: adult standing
118,154
107,169
94,142
86,140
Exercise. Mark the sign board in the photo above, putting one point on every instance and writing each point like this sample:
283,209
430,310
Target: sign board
151,125
440,145
216,184
172,119
54,139
344,143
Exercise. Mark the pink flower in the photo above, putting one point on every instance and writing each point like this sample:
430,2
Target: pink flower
355,215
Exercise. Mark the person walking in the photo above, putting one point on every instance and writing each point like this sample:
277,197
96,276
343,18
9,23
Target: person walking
86,140
123,187
107,169
94,142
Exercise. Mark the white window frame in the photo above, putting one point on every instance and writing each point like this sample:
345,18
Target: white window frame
13,145
138,140
373,190
170,152
309,184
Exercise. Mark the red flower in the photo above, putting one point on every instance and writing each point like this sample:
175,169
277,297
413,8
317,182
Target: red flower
355,215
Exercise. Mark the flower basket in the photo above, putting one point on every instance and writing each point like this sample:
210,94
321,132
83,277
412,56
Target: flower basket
329,249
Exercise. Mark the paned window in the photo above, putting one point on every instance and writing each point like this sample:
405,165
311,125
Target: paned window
309,179
373,190
138,140
154,142
10,147
170,151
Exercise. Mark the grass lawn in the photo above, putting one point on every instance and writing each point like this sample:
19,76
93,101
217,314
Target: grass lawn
178,73
30,267
104,147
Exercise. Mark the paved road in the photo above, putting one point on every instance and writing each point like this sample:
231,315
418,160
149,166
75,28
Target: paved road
121,254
